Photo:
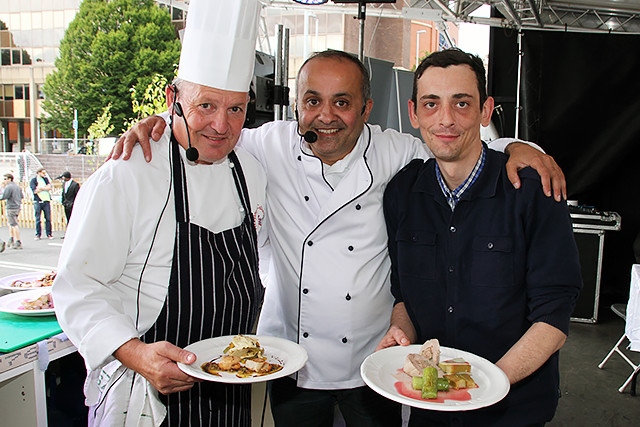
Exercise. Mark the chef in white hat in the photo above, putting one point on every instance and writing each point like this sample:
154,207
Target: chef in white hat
161,257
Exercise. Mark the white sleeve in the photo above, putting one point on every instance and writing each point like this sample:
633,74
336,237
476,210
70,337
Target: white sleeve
500,144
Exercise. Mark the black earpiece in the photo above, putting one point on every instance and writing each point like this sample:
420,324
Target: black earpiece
192,152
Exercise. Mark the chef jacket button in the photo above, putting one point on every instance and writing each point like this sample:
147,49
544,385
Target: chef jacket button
309,243
358,207
344,340
299,158
490,245
451,269
306,335
414,238
348,297
231,165
450,309
241,209
350,248
305,291
306,198
452,229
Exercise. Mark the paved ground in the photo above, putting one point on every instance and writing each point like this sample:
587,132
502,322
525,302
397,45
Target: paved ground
40,255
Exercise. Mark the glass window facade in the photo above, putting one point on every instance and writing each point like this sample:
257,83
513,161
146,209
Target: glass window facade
33,29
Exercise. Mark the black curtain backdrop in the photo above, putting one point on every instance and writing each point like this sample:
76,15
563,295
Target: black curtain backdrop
580,101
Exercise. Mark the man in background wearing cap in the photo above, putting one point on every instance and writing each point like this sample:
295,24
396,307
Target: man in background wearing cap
69,191
12,193
162,256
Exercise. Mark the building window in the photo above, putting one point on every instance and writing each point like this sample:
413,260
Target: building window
18,91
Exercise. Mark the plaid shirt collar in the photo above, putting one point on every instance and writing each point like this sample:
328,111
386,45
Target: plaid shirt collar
453,196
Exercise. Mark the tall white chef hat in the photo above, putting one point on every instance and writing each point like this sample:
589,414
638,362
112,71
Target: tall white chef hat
219,42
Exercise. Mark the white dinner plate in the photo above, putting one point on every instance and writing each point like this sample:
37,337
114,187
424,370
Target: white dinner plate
5,282
10,303
290,355
382,371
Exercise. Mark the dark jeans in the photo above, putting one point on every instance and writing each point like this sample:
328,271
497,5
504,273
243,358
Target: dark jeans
38,208
360,407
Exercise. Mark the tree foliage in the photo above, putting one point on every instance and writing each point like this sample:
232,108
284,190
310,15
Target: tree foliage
150,101
109,48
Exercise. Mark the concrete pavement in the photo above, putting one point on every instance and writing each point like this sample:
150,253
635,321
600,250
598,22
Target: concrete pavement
36,255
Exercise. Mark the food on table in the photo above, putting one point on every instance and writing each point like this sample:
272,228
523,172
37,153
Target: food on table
430,375
43,302
243,357
45,280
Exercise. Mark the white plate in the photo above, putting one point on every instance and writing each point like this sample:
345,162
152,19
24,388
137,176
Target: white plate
5,282
290,355
382,371
10,303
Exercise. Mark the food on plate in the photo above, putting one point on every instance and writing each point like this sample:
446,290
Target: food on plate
43,302
429,355
430,375
455,366
243,357
45,280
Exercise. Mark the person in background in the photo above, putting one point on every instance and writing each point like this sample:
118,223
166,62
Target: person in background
41,188
327,285
163,268
475,263
12,193
69,191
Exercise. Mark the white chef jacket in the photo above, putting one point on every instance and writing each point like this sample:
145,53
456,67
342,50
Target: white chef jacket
116,213
328,282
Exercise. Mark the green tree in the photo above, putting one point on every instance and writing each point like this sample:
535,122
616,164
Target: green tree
110,47
102,126
150,101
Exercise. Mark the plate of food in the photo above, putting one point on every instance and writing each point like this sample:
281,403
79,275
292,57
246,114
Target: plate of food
35,302
462,381
28,280
244,359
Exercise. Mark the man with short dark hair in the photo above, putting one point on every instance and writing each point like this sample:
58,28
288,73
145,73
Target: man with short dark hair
475,263
41,188
12,193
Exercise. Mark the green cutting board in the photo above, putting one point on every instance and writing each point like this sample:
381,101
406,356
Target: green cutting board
20,331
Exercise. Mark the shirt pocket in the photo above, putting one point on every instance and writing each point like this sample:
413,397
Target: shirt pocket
492,262
416,254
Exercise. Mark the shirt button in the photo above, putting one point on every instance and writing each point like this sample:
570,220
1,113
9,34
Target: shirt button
309,243
450,309
348,297
305,291
414,238
344,340
452,229
451,269
350,248
306,335
231,165
241,210
358,207
299,158
306,198
490,245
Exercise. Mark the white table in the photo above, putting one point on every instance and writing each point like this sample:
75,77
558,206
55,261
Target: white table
23,395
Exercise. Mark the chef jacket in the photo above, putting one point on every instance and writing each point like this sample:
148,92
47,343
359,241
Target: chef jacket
116,214
327,285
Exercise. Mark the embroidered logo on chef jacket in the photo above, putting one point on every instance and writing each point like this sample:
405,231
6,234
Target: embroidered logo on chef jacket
258,218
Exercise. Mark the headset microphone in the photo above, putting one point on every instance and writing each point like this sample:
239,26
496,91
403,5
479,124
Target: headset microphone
191,152
310,136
